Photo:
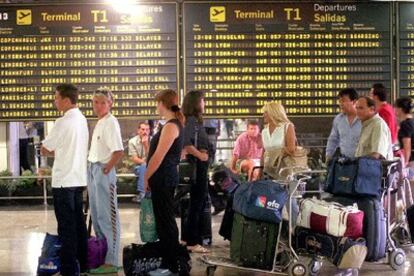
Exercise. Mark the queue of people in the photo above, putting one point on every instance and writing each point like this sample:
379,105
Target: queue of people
365,127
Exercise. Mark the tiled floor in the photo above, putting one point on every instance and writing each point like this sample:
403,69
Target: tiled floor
22,230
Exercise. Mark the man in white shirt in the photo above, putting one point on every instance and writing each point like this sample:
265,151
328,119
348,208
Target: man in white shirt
138,147
68,143
105,152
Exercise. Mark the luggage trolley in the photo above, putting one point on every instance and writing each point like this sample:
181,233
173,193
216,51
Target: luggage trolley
294,266
392,182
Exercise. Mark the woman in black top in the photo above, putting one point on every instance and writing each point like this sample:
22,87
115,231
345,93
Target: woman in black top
196,145
161,177
403,108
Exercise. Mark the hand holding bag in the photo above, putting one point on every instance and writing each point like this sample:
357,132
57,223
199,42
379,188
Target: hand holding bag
147,225
299,158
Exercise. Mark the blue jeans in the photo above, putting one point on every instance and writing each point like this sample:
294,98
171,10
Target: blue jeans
139,171
104,209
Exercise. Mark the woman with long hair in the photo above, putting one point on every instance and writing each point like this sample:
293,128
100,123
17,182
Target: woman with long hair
278,136
196,145
161,178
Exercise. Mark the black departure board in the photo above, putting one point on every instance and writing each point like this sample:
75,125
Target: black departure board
133,52
245,54
406,47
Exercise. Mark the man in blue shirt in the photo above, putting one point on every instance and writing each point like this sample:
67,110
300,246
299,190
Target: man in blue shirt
346,127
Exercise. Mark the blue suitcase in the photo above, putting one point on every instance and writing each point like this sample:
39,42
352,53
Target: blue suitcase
374,224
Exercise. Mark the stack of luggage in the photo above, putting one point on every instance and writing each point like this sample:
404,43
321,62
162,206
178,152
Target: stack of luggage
257,223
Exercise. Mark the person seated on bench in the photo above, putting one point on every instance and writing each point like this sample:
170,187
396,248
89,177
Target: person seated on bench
138,150
247,151
375,139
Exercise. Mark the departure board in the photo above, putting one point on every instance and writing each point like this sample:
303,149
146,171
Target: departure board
133,52
245,54
406,45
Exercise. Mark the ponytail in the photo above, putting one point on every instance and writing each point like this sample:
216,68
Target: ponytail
178,114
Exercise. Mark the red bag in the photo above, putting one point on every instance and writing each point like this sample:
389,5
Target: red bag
331,218
354,224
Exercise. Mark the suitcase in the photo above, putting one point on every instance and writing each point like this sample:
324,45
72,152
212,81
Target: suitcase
374,224
205,224
253,242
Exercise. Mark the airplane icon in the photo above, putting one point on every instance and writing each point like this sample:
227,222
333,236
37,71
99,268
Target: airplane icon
23,15
218,14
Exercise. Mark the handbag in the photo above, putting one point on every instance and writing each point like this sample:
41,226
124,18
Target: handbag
187,168
147,225
298,158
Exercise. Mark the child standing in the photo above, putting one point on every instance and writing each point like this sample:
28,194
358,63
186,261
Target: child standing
105,152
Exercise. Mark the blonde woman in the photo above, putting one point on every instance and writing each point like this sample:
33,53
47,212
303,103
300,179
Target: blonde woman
278,136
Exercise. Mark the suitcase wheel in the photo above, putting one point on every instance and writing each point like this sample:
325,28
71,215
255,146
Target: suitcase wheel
397,258
211,270
298,269
315,266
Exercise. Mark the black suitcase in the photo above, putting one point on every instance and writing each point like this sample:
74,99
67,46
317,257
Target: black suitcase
374,224
205,224
253,242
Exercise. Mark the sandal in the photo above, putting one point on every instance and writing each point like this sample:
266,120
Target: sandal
198,249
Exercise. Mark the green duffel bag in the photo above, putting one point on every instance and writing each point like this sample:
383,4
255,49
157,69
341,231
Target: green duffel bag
253,242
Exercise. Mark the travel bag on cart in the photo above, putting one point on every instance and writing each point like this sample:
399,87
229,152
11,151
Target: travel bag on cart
261,200
253,242
341,251
331,218
374,224
354,177
205,220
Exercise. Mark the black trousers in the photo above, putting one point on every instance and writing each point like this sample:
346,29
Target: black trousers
162,201
198,195
71,229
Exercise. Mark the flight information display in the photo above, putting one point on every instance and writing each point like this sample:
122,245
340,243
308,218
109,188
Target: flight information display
301,54
406,42
133,52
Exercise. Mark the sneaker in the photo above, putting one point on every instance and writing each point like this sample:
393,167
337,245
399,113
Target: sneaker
161,272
